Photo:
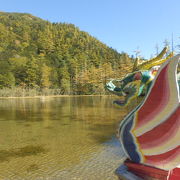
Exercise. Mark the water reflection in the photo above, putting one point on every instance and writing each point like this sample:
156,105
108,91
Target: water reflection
40,137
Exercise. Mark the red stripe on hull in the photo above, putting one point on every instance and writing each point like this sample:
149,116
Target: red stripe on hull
164,158
174,174
149,172
146,172
162,133
156,101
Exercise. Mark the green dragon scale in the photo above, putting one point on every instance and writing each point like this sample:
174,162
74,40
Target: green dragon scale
138,82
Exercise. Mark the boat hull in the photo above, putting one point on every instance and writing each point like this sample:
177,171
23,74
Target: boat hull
149,173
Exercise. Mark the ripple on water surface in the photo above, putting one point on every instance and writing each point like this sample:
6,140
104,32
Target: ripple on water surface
59,138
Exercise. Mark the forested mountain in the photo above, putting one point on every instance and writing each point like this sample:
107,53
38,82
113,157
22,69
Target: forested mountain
37,54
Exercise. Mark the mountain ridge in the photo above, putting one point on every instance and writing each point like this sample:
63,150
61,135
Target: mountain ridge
39,54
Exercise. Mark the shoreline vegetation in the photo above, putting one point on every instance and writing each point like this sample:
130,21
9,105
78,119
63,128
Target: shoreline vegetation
49,96
20,93
7,93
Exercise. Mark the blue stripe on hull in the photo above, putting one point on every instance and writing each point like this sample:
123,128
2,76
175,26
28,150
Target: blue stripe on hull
128,142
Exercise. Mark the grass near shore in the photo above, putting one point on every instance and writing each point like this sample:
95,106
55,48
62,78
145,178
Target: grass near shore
17,92
20,92
36,93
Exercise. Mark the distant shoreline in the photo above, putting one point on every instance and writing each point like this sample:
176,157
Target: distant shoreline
48,96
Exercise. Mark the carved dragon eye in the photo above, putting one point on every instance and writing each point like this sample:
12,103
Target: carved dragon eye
138,76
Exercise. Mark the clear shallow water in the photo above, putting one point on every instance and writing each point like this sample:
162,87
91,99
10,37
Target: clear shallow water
59,138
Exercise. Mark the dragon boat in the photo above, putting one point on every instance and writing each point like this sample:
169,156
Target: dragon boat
150,133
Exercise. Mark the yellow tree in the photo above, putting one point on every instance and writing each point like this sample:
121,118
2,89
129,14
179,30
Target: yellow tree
45,76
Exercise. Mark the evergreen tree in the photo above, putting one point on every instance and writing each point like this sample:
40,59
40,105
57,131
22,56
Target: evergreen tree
32,75
40,54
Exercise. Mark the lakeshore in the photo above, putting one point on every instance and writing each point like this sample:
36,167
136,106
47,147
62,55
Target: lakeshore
50,96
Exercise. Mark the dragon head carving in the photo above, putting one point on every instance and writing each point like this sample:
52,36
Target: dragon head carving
138,82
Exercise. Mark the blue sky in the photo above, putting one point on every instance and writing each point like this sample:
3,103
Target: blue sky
125,25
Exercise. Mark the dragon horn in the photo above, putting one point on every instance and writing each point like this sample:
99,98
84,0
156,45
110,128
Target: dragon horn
136,63
161,54
162,60
150,63
156,63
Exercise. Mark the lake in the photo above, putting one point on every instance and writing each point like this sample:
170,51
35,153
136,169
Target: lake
59,138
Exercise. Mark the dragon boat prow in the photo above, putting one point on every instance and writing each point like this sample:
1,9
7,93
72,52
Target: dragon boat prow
150,135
